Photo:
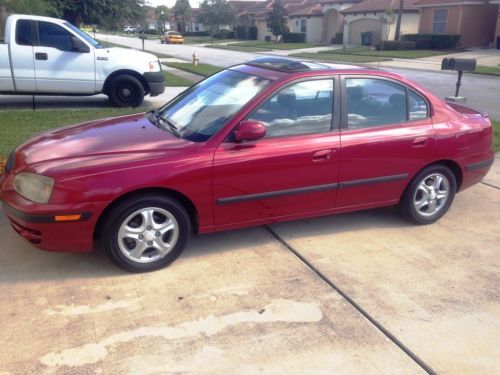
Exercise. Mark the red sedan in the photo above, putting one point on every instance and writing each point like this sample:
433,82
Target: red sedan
262,142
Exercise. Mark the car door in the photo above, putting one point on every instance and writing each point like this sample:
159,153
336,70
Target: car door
61,67
292,170
386,135
21,54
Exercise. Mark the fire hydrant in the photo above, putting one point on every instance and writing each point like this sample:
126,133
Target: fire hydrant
196,59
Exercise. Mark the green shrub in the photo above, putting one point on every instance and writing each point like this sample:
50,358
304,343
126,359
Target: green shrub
241,32
338,38
196,33
433,41
252,33
294,38
395,45
224,34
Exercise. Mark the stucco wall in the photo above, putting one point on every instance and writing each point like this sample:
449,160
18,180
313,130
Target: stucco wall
262,29
497,32
475,23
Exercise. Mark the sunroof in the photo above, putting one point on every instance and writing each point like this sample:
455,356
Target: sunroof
279,63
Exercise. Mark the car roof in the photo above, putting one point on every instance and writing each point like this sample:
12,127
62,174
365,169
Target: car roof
277,68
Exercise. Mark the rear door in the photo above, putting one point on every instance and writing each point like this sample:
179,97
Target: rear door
59,66
21,54
387,136
293,169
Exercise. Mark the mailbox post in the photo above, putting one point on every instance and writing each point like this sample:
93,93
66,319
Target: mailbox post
143,37
460,66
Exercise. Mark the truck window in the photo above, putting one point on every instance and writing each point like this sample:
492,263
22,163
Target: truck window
55,36
25,33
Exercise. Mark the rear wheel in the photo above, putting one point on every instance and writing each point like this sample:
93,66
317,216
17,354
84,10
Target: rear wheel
146,233
126,91
429,195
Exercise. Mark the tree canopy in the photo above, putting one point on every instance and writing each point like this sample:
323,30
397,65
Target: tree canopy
276,21
215,13
182,14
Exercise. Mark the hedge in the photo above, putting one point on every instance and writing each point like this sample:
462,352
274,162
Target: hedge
433,41
294,38
395,45
252,33
196,33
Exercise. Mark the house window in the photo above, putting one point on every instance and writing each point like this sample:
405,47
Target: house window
440,19
303,26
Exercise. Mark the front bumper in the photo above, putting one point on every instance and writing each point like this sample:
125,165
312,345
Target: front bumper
156,83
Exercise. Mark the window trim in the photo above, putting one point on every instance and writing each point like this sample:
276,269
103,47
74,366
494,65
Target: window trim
303,26
343,126
336,116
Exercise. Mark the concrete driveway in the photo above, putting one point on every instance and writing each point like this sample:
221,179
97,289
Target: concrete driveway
354,293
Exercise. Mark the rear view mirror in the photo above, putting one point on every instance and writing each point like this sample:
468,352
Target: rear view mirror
249,131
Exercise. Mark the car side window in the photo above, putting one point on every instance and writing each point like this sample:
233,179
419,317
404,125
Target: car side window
25,33
417,107
55,36
302,108
374,102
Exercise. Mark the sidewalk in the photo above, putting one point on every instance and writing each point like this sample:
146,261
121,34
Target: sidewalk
179,72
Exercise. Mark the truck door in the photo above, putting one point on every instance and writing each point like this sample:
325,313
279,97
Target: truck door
21,56
63,62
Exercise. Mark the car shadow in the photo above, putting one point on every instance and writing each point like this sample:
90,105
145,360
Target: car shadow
20,262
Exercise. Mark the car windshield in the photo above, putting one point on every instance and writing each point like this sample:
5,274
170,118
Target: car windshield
202,110
85,36
173,33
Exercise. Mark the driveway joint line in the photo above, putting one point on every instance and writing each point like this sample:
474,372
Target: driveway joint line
353,303
490,185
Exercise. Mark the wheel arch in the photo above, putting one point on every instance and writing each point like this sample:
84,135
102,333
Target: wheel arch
183,200
451,164
130,72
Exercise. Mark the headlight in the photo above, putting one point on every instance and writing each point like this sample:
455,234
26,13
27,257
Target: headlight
155,66
35,187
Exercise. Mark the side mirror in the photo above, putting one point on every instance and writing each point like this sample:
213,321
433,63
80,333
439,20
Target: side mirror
78,46
249,131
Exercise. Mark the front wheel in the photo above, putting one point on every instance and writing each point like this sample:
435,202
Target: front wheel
146,233
429,195
126,91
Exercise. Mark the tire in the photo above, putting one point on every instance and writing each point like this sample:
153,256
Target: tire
162,41
126,91
429,195
146,233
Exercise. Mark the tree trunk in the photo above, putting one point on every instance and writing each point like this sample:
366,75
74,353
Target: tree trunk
397,35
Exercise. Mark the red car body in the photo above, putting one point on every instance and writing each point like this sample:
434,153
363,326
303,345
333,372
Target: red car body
228,185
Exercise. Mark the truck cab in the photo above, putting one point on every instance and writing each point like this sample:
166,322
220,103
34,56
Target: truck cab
49,56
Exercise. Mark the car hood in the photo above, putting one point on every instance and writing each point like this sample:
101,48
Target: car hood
129,54
131,137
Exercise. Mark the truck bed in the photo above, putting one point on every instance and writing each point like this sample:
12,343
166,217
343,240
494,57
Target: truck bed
6,82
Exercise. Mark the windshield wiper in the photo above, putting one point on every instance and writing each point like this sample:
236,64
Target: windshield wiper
171,127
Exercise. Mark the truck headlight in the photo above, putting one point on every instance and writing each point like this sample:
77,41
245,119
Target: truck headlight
34,187
155,66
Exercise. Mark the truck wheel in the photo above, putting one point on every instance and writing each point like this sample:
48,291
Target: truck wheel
126,91
146,233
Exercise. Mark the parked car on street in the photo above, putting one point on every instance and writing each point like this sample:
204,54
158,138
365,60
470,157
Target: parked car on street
172,37
48,56
266,141
129,29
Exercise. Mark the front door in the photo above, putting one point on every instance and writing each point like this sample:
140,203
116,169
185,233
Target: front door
292,170
387,136
59,67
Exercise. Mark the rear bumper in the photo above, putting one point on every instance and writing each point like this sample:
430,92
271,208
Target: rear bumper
156,83
475,171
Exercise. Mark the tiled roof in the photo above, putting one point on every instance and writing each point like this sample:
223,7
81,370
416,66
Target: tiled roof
381,5
312,10
440,2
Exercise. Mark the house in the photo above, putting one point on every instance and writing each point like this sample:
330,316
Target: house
195,25
379,18
474,20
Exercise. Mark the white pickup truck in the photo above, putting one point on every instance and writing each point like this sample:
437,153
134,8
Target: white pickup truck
48,56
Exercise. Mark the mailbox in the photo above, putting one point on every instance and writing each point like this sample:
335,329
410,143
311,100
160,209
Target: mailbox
460,65
142,36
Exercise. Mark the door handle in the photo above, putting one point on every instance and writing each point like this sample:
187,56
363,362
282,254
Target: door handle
420,141
41,56
323,155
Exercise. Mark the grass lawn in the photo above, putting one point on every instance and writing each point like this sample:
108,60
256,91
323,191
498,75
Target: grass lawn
200,69
234,47
409,54
272,45
496,135
487,70
172,80
18,126
205,40
340,57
